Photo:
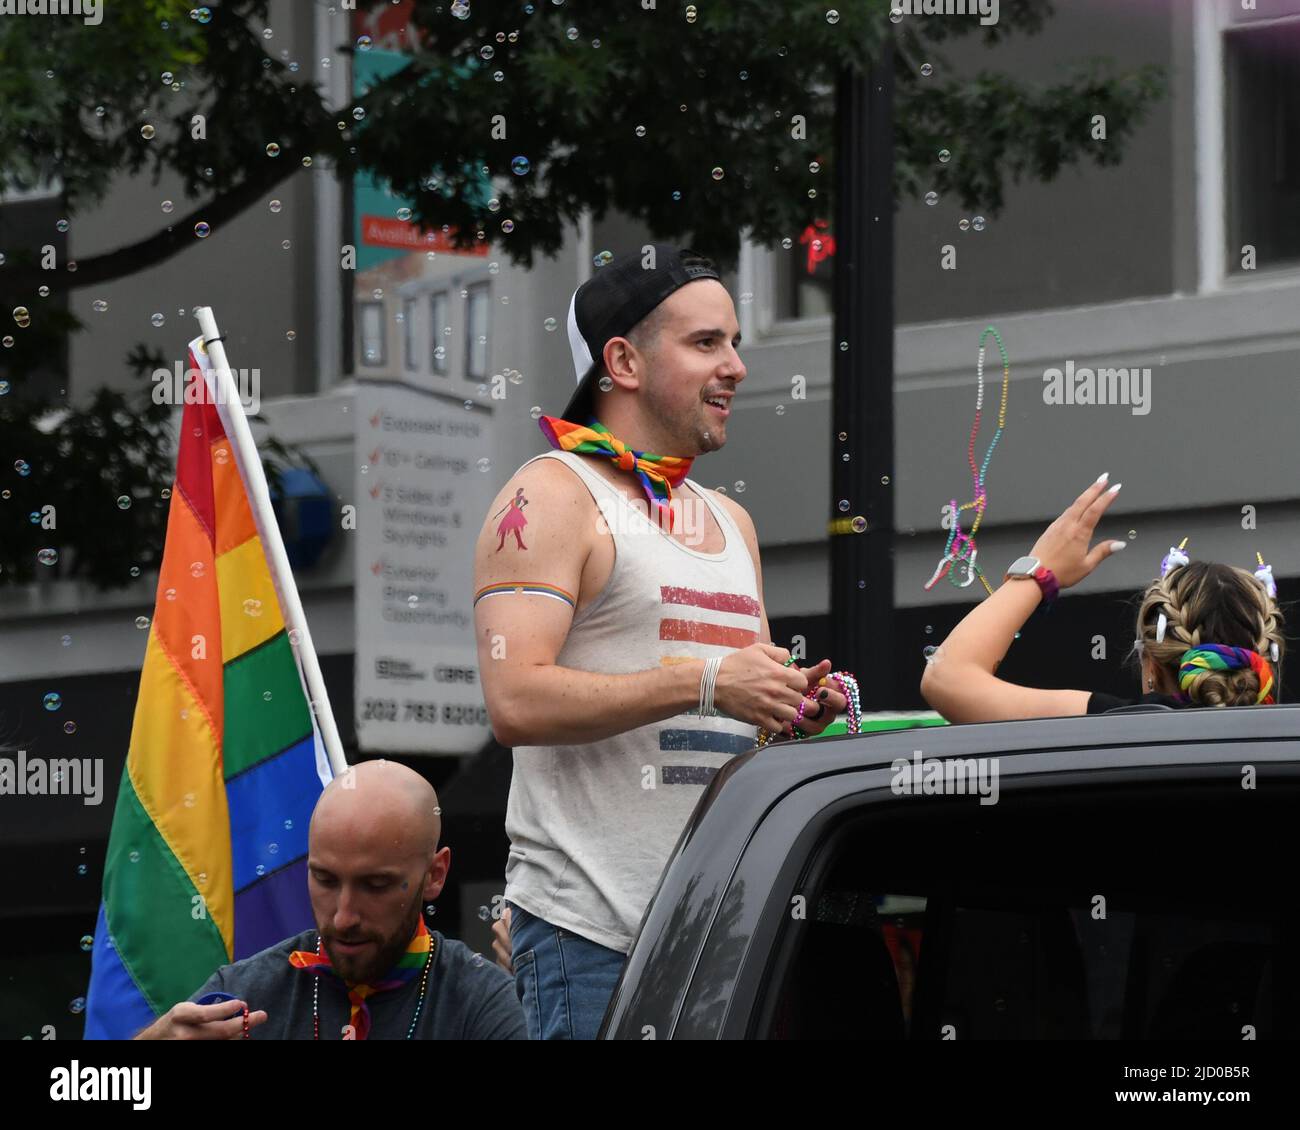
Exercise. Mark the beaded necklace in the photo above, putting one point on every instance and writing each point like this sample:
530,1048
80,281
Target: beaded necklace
419,1001
848,686
961,547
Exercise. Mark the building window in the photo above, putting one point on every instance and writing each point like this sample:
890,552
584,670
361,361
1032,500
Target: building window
802,275
408,335
476,330
371,321
439,332
1263,141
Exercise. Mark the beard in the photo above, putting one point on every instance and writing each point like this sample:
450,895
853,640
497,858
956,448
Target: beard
361,969
690,432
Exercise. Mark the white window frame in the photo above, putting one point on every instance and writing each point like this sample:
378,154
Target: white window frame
411,322
1210,28
484,287
440,369
382,362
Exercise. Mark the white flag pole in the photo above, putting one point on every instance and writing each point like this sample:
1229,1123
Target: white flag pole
259,497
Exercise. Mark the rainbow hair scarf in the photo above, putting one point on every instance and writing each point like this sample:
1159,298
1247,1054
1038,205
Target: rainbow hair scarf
658,474
1197,662
407,969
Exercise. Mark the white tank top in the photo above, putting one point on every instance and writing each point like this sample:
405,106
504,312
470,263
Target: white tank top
591,826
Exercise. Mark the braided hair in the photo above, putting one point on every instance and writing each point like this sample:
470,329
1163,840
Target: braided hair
1203,603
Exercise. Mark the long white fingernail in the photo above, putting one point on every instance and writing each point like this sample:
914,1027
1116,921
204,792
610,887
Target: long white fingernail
1116,546
1115,488
1103,476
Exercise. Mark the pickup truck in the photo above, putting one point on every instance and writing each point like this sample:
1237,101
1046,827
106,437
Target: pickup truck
1129,877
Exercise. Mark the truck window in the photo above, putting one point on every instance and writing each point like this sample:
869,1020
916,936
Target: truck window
1132,914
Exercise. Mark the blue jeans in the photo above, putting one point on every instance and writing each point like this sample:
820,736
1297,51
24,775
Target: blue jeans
564,981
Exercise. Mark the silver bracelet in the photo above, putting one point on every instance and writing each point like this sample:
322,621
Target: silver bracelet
707,683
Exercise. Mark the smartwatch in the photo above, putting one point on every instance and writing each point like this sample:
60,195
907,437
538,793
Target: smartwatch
1031,567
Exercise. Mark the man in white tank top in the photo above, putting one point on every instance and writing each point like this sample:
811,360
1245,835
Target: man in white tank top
624,650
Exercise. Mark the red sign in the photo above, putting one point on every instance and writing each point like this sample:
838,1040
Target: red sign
820,243
382,231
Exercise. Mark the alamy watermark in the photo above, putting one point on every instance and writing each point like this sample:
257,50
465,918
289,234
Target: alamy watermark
179,385
53,776
635,516
91,11
987,10
1082,385
945,776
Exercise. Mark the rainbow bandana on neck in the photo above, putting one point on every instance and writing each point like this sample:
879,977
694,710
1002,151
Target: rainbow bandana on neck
658,474
1197,662
406,970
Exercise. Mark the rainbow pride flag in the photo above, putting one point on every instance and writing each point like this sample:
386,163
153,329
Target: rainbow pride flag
207,856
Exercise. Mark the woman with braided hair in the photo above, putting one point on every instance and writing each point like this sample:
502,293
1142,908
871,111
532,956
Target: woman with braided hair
1207,634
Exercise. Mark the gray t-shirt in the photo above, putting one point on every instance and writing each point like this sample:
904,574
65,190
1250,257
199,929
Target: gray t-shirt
468,998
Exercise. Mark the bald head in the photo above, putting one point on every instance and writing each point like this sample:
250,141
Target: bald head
372,862
378,808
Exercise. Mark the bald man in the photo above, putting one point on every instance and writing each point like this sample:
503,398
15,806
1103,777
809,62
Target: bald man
370,969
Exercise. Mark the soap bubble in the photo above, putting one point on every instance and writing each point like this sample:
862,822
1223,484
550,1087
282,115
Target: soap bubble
832,17
403,214
932,198
99,306
535,412
202,230
147,131
844,505
602,257
927,70
275,206
48,556
520,166
717,173
859,524
69,727
142,622
363,43
944,156
550,324
978,223
124,502
157,319
77,1006
272,149
507,226
52,701
87,943
606,383
486,52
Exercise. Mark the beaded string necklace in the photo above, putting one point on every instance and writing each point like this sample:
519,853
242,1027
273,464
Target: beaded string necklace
961,548
848,686
419,1000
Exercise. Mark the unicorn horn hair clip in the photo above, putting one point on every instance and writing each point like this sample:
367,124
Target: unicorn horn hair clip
1264,575
1174,559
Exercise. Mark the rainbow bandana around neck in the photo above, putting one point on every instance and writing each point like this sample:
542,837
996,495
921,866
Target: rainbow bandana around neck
658,474
406,970
1199,661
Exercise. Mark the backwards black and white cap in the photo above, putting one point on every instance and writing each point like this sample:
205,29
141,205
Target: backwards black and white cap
618,296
